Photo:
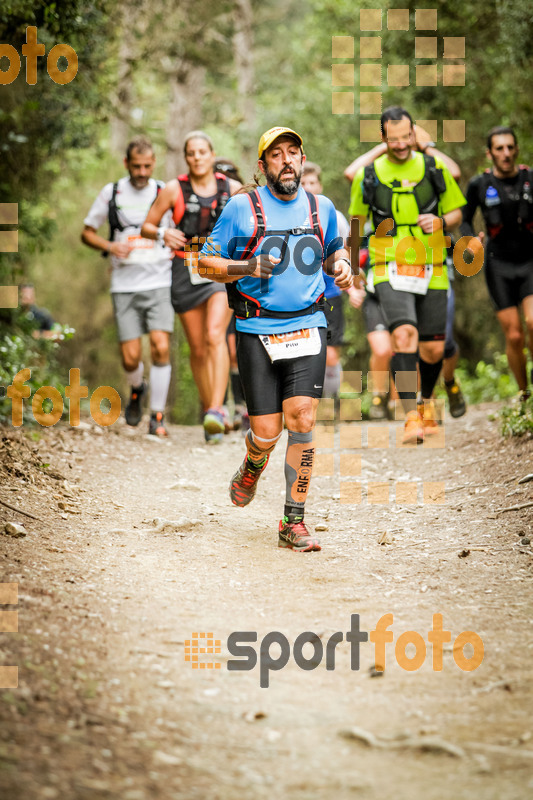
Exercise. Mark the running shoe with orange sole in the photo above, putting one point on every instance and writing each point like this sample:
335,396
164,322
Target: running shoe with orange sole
157,425
243,485
295,536
429,418
413,432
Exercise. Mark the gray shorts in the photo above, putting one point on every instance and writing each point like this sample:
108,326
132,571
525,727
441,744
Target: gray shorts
141,312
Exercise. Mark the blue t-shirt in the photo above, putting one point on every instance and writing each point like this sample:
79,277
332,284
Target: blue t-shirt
299,279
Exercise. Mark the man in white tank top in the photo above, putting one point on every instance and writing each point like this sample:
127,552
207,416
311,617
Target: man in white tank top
140,280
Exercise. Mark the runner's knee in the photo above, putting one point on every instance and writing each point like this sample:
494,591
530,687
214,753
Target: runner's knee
515,337
403,338
300,417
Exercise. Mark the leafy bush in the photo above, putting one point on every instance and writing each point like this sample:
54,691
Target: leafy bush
488,381
19,350
517,419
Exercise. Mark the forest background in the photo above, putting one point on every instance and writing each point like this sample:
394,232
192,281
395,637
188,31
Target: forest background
233,68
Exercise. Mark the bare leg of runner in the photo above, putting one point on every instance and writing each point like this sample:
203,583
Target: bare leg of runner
527,306
194,325
217,320
509,319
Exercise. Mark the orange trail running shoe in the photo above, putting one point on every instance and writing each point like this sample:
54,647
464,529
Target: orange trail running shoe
429,418
413,432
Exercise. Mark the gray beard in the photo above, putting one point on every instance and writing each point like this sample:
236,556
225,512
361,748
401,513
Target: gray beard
280,187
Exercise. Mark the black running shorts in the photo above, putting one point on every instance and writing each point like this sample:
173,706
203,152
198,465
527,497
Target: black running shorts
267,384
373,314
508,283
335,317
186,295
427,312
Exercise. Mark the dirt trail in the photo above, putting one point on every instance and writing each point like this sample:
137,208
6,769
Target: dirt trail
107,707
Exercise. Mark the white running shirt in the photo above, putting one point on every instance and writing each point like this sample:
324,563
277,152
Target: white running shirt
149,264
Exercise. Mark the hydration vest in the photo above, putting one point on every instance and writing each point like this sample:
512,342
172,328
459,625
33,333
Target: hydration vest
114,221
246,306
491,201
379,196
188,211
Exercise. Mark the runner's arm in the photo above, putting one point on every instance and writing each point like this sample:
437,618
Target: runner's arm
165,200
422,139
451,220
364,161
227,270
90,237
472,202
338,266
359,277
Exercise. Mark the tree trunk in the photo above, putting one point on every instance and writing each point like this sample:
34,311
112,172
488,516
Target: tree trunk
187,87
244,67
124,97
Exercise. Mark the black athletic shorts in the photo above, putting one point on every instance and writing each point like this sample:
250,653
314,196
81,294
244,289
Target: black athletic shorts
450,345
373,315
427,312
335,316
267,384
508,283
231,329
185,295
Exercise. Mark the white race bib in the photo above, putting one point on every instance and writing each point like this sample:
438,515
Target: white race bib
191,262
305,342
410,277
143,251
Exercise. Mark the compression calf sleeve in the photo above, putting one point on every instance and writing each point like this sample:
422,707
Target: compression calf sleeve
135,377
332,381
407,379
298,468
429,374
159,383
259,448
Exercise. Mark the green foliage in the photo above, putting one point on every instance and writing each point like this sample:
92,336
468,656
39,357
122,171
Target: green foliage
488,381
20,350
517,419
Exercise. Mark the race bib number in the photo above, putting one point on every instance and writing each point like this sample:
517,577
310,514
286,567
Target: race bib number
410,277
305,342
191,262
143,251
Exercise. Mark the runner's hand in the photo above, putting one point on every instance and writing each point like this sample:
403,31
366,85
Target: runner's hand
343,274
426,221
356,296
120,249
475,245
175,239
260,266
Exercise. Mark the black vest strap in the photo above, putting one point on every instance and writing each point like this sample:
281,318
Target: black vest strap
245,306
379,196
190,220
112,215
493,214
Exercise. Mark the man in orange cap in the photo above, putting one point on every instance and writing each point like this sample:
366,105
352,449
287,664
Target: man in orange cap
270,247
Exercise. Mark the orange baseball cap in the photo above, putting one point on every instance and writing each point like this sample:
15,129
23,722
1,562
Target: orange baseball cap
270,136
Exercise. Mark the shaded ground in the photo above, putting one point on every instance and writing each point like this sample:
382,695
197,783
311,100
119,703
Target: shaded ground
107,707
